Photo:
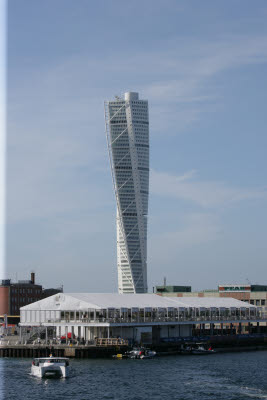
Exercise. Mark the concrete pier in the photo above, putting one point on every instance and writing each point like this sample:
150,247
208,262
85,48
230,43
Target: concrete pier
31,351
221,342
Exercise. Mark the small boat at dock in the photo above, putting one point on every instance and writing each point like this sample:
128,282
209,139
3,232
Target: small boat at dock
137,353
197,349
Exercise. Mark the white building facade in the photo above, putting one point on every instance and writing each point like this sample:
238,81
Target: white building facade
135,317
127,128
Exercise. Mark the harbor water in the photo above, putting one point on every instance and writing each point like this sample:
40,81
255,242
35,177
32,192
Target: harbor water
222,376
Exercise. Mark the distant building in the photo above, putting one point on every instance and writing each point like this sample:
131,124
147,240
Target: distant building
14,295
253,294
127,127
50,292
173,289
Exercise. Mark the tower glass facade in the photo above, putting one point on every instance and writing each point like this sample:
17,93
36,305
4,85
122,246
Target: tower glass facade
127,128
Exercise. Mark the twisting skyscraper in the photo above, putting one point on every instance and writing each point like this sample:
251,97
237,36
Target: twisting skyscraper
127,128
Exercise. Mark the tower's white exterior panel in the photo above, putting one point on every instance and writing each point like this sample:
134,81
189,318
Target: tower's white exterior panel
127,128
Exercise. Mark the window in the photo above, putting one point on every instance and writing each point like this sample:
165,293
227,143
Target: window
263,302
257,302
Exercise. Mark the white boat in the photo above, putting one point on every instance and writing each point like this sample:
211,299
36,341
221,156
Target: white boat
197,348
202,350
137,353
50,366
148,354
141,353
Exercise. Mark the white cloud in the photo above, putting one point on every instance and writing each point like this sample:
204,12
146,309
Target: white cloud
202,193
202,61
190,89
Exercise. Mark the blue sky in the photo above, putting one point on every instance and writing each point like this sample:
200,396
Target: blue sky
202,67
2,132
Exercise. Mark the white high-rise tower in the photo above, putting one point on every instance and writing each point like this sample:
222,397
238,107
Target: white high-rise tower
127,128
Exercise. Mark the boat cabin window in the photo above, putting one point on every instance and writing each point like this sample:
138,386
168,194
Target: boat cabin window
38,361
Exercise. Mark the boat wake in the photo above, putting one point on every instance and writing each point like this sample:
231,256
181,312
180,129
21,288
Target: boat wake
222,385
253,392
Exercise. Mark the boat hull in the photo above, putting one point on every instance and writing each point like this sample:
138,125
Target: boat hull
45,371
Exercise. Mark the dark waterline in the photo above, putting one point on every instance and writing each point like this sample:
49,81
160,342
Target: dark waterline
231,376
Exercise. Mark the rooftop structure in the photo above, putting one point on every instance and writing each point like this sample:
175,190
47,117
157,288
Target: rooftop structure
173,289
114,301
127,128
242,288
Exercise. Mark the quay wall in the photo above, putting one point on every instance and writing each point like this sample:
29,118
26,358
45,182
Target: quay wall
227,343
31,351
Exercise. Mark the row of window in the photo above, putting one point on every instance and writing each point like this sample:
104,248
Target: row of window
122,142
23,300
21,291
142,149
140,105
258,302
123,122
141,114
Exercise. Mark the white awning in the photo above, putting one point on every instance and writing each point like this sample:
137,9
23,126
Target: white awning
115,301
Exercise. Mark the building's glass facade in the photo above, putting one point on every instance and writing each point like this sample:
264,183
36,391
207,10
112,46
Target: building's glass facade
127,127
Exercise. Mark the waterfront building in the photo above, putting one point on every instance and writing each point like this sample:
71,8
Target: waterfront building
253,294
14,295
135,317
127,128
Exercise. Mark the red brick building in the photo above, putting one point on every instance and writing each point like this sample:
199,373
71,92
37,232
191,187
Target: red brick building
14,295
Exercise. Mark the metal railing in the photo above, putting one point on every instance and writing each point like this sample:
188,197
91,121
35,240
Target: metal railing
111,342
180,318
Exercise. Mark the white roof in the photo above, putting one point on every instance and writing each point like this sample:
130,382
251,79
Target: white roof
209,302
84,301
